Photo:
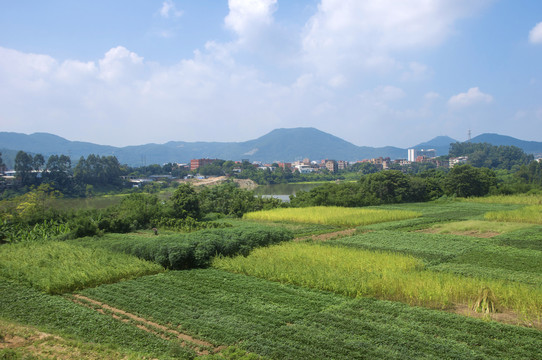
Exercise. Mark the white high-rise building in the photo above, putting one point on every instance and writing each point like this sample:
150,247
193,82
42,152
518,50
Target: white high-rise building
412,155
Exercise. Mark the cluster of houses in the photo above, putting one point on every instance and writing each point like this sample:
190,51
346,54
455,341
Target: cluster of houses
305,166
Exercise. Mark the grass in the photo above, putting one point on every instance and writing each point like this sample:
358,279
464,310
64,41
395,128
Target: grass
476,228
529,214
356,272
331,215
58,267
520,199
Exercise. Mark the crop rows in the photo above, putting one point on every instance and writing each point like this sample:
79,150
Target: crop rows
56,314
286,322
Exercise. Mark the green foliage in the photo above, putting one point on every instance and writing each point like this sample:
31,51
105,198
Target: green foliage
185,202
58,173
490,156
286,322
188,224
186,251
58,267
385,187
13,232
98,171
230,199
59,315
465,181
24,166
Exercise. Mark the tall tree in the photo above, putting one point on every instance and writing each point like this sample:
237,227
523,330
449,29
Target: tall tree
23,167
466,180
2,166
57,172
186,202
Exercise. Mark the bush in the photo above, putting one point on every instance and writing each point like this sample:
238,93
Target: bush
193,250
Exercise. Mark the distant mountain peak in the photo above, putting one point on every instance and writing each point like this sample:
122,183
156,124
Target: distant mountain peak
284,144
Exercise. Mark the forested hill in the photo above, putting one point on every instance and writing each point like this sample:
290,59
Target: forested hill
278,145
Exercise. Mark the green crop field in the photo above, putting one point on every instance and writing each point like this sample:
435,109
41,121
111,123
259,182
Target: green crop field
57,267
331,215
288,322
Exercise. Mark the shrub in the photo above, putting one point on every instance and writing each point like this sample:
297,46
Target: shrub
185,251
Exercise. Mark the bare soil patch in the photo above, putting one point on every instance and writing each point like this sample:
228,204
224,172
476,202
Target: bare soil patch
506,317
328,236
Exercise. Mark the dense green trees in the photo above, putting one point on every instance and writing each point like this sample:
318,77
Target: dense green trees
24,166
466,180
490,156
98,170
185,202
58,172
385,187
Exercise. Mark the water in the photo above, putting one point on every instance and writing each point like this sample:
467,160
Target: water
283,191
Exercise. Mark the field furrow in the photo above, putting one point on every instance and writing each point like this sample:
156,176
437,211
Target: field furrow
200,347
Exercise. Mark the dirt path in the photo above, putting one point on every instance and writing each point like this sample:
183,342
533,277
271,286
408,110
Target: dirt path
164,332
328,236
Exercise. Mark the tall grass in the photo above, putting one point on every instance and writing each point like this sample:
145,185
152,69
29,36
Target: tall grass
332,215
529,214
520,199
58,267
477,227
381,275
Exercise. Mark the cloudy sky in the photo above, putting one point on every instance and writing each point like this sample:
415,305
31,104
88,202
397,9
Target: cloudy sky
374,72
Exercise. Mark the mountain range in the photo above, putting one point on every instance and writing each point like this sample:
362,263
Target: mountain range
277,145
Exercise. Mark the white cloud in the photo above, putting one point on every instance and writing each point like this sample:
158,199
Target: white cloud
169,10
471,97
119,63
351,31
535,35
247,17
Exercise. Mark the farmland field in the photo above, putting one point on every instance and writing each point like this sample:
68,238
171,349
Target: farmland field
332,215
57,267
349,297
380,275
287,322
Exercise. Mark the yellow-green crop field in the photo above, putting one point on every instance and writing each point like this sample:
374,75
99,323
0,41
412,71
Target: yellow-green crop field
477,227
529,214
520,199
332,215
396,277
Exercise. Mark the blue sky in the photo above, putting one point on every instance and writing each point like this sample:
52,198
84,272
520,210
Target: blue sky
374,72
